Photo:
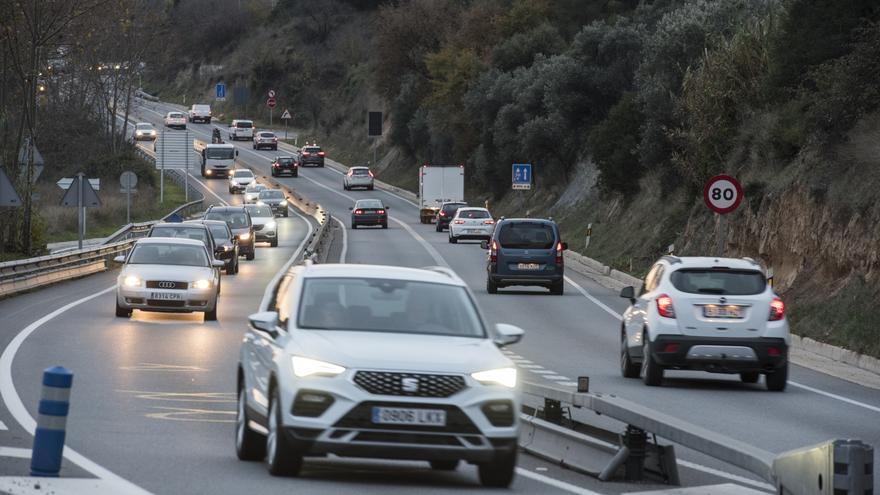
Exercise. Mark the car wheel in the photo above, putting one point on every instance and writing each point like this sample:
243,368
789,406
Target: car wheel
219,285
236,264
452,239
250,256
274,242
211,315
491,286
437,227
370,188
385,225
557,288
231,191
281,458
354,226
498,473
652,373
249,445
255,146
286,213
628,368
777,380
749,377
274,174
122,312
444,465
296,174
275,148
230,268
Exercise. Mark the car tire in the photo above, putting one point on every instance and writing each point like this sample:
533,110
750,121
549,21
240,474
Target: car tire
296,174
628,368
230,269
211,315
369,188
499,472
250,256
652,373
122,312
444,465
281,457
275,148
286,213
385,225
354,226
452,239
750,376
777,380
231,191
491,287
557,288
249,445
219,285
274,174
255,146
236,265
274,242
437,227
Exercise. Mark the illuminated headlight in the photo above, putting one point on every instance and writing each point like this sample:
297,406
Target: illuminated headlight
202,284
283,202
245,236
271,225
227,248
260,203
207,172
132,281
139,133
152,133
303,366
500,376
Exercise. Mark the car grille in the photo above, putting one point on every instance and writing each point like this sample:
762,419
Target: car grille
361,417
258,227
391,383
166,284
161,303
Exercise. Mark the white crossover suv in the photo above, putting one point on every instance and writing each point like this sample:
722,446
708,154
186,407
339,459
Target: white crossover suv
361,361
471,223
712,314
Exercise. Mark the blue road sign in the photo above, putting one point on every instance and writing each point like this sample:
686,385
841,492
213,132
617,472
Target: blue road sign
220,92
522,175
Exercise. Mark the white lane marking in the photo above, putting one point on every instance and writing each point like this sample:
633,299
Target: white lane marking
530,366
20,413
15,452
554,482
267,294
438,258
543,372
593,299
3,426
569,384
344,252
835,396
558,378
722,474
211,191
521,360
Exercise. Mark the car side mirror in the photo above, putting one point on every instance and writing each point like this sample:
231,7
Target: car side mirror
628,292
218,263
387,207
265,321
484,244
564,245
119,259
507,334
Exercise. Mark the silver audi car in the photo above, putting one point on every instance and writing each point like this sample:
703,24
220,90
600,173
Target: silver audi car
168,275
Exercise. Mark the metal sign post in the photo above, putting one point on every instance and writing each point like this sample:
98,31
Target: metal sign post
722,194
286,118
128,180
80,194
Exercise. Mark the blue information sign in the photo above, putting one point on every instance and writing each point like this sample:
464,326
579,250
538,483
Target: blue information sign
221,92
522,175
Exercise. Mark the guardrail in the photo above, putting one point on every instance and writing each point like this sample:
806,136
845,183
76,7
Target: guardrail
841,467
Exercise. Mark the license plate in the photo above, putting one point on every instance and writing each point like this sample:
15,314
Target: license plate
527,266
716,311
168,296
402,416
474,231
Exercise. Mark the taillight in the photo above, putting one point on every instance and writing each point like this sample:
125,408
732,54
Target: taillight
442,213
773,352
358,212
489,222
371,173
305,153
664,306
381,212
458,222
493,251
777,309
350,173
320,153
559,253
670,347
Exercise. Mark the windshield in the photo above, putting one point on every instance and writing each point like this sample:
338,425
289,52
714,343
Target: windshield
220,154
527,235
360,171
452,207
244,124
219,232
168,254
473,214
176,115
260,211
267,135
235,219
255,187
144,127
243,174
271,194
384,305
369,203
719,281
180,232
311,149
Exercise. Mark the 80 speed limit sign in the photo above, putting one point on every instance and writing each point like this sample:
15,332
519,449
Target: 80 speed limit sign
722,194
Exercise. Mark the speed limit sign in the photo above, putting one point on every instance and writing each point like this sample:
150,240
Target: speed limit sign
722,194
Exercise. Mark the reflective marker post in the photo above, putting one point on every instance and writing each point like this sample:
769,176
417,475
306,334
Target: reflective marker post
51,422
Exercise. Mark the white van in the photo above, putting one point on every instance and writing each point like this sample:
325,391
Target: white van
200,113
241,129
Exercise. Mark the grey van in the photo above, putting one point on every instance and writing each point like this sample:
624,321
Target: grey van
525,251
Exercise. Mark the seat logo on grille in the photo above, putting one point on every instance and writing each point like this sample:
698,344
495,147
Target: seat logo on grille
409,384
166,285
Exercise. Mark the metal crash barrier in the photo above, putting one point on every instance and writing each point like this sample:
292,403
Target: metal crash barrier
835,467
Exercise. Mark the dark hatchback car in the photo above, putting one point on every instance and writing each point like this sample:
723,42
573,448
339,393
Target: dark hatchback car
285,165
445,214
369,212
311,156
226,248
239,221
525,251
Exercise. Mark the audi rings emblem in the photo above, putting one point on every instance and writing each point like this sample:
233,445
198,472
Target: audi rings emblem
166,285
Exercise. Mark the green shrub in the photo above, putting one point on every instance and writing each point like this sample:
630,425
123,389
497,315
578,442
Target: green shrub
614,147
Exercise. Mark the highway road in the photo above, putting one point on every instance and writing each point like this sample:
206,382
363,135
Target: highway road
153,397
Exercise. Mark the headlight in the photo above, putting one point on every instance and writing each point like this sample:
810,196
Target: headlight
132,281
244,236
283,202
271,225
227,248
260,203
152,133
303,366
500,376
202,284
139,133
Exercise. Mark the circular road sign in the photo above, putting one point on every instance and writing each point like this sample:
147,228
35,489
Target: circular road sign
722,194
270,103
271,93
128,180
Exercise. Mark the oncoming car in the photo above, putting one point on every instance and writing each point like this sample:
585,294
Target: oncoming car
168,275
710,314
265,226
252,192
274,199
144,131
239,222
360,361
240,179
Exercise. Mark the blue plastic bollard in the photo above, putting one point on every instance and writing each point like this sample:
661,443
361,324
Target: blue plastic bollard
51,422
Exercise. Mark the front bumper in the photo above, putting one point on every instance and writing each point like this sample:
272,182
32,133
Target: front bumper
143,299
719,355
265,235
236,187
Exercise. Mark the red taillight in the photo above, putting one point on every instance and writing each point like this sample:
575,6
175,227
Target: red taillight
320,153
305,153
670,348
777,309
358,212
559,253
275,139
664,306
371,173
489,222
442,213
350,173
458,222
381,212
493,251
773,352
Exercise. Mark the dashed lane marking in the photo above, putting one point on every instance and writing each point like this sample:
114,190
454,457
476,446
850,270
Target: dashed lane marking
192,415
161,367
18,453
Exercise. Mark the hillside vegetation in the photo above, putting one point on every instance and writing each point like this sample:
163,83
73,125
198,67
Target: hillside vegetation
624,107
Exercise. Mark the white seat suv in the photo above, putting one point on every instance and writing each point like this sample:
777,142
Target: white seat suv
712,314
361,361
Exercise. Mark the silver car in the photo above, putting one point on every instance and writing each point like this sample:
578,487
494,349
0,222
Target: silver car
265,226
168,275
358,177
275,199
265,139
144,131
252,192
240,179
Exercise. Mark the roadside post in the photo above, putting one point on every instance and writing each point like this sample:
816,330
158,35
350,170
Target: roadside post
521,180
128,180
722,194
589,235
51,422
770,276
374,130
286,118
81,195
270,102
